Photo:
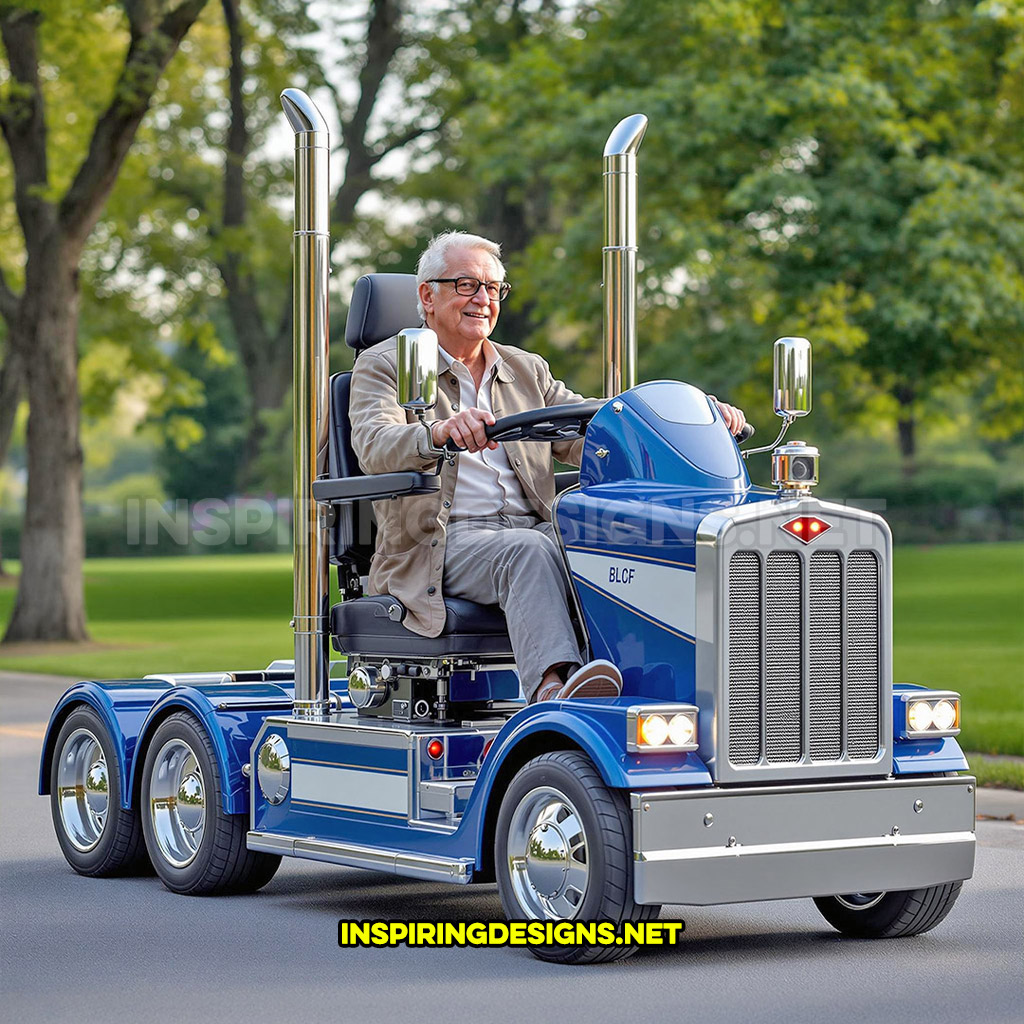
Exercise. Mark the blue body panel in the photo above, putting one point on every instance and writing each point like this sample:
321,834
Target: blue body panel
640,505
232,713
597,728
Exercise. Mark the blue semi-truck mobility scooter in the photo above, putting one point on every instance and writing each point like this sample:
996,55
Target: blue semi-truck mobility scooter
759,749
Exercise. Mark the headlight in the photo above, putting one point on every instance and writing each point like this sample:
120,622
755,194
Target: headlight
661,727
919,717
945,715
931,714
653,730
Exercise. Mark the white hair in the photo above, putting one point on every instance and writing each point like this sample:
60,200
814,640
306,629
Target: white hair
434,259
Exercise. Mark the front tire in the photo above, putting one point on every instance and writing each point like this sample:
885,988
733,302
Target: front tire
889,915
98,837
196,848
563,852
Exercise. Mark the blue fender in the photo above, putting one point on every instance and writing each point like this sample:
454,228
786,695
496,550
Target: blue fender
600,731
122,705
232,716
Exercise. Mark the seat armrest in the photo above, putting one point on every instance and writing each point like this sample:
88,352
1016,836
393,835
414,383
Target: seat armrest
346,489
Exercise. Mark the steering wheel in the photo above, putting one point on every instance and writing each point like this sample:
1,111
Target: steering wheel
553,423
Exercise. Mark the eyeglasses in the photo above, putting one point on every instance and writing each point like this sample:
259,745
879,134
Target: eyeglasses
470,286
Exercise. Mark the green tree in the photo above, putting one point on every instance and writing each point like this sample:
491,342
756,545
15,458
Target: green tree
75,74
852,172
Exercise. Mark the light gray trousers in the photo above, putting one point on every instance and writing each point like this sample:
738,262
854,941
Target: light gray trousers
515,562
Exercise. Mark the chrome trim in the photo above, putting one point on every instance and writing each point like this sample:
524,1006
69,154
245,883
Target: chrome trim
781,842
753,527
908,697
417,369
782,466
791,386
83,790
732,850
188,678
366,687
395,862
549,868
619,253
311,256
177,803
791,377
860,900
274,768
667,711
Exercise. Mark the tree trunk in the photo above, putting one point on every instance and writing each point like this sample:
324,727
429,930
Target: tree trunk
11,381
51,603
906,428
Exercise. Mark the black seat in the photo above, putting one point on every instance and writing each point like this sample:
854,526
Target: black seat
373,625
382,305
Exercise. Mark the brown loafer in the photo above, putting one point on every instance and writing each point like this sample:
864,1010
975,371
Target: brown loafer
595,679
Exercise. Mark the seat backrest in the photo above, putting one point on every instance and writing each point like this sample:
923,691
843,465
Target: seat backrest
382,305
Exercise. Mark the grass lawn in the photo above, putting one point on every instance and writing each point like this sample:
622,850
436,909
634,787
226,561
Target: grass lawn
185,614
958,612
958,615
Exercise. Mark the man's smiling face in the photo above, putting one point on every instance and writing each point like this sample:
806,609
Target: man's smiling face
461,322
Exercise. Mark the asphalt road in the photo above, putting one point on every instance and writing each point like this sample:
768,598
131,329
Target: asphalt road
86,950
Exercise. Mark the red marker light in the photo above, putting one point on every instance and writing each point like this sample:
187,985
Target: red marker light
806,528
487,747
435,748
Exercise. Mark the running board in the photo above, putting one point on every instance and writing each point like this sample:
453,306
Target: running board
394,862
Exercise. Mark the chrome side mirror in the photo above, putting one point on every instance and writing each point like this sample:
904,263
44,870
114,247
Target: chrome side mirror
417,369
792,377
792,387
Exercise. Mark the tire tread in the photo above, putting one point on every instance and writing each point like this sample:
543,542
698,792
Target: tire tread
615,826
231,867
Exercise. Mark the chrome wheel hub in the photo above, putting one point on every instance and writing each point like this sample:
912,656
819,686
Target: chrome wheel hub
547,853
177,803
860,900
83,790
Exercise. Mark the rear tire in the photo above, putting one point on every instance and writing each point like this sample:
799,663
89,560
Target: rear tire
98,837
889,915
196,848
559,806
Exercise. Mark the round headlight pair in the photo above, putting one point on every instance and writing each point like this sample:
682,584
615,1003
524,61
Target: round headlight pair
932,716
666,730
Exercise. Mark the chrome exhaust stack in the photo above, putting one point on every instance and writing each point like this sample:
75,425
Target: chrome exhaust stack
311,270
619,253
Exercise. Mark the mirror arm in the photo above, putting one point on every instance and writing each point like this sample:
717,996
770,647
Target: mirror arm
787,422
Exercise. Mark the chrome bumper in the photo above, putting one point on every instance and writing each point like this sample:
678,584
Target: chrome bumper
710,846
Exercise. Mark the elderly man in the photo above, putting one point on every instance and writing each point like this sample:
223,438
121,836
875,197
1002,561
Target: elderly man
486,535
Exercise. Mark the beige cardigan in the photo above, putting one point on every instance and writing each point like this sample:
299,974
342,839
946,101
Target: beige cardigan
409,560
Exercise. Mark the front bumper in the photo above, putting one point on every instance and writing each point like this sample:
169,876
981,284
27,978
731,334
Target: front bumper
719,845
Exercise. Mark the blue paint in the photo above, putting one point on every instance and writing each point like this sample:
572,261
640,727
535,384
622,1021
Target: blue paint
643,445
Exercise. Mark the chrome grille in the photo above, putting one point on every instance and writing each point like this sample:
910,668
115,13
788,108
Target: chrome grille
745,663
783,670
862,653
804,664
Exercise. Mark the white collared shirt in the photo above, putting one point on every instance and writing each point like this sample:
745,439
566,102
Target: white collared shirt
486,484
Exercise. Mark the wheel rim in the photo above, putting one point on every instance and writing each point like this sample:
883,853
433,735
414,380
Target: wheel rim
860,900
547,856
177,803
83,790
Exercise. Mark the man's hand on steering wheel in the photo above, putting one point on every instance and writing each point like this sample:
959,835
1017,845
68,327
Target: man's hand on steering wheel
466,429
